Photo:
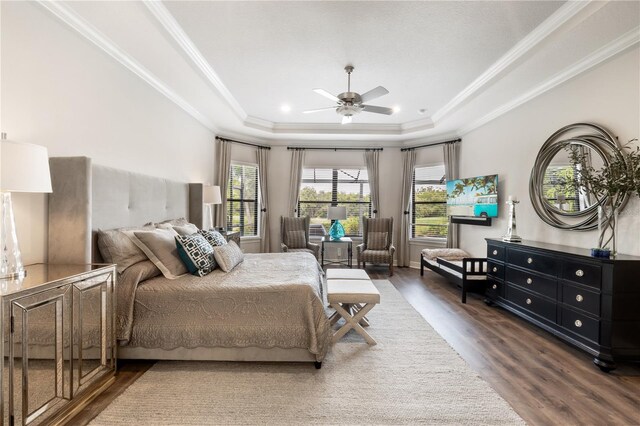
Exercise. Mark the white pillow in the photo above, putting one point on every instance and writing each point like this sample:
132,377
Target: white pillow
228,256
160,247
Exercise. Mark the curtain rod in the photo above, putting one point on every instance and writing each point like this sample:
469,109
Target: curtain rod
291,148
243,143
431,144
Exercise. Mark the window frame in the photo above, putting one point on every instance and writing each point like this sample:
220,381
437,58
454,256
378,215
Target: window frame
258,210
412,211
334,181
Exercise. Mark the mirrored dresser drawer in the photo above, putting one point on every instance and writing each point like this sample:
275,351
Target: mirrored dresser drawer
59,340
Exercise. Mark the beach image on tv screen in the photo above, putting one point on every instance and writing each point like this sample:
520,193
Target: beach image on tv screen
477,196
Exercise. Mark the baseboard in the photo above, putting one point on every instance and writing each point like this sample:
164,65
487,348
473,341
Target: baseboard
414,265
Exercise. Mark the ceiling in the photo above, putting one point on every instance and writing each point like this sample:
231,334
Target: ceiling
273,53
233,65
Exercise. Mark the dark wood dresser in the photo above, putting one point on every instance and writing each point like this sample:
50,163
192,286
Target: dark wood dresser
591,303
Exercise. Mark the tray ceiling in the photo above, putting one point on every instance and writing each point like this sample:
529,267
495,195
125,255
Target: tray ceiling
233,65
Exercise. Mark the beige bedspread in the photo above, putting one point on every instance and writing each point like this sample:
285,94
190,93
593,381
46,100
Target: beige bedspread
269,300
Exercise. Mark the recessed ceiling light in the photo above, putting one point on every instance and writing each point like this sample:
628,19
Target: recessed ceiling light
285,108
396,109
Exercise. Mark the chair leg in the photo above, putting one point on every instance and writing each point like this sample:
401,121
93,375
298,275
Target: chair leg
364,265
391,269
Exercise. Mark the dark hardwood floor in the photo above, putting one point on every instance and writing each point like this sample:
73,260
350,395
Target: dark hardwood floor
546,381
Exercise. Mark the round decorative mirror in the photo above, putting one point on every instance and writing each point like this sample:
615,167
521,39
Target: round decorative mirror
557,194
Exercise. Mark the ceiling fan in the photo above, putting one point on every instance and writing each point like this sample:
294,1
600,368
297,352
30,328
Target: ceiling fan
350,103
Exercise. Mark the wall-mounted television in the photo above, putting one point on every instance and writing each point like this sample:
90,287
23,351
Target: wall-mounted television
473,197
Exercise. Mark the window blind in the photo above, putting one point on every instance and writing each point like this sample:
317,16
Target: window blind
242,199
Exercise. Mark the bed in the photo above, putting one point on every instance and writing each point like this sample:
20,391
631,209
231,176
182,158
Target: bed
469,273
268,308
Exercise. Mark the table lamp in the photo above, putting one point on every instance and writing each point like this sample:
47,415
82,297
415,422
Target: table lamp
337,214
25,168
210,196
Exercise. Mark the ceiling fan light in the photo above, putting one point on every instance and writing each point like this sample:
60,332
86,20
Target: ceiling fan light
347,119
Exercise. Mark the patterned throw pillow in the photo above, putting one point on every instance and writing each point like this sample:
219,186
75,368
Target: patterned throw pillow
213,237
377,240
196,253
228,256
296,239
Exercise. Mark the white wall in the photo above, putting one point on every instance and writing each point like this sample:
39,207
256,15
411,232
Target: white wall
607,95
60,91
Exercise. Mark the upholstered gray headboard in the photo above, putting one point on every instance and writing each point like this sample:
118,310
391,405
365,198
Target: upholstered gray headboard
87,197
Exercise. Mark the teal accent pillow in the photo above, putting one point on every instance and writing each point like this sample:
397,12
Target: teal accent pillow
196,254
213,237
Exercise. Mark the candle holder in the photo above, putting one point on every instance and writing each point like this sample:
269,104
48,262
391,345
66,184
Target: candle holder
512,235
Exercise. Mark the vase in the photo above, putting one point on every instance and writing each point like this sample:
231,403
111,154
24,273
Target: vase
336,231
607,227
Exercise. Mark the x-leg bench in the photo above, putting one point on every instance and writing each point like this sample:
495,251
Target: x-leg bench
352,300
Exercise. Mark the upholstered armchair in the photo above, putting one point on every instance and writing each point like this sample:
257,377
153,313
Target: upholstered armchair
377,245
294,235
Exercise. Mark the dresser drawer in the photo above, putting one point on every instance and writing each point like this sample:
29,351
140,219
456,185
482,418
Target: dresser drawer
495,270
531,302
585,300
495,252
581,324
533,282
495,289
582,273
534,261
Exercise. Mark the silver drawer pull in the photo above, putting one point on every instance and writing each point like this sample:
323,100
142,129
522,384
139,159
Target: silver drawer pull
495,252
528,301
578,323
529,260
495,269
579,272
529,280
579,298
495,286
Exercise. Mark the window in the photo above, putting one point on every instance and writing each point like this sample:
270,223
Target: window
321,188
429,203
242,199
561,188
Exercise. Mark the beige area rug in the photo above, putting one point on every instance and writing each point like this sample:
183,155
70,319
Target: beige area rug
412,376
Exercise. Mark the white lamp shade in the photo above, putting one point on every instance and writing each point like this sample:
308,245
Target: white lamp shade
211,195
25,167
337,212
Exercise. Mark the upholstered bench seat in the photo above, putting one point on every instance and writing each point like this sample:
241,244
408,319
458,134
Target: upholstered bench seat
352,299
347,274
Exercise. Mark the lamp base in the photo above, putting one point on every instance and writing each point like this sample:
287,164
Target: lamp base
18,275
10,258
336,231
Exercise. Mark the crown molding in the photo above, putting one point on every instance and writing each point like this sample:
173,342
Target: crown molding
535,37
334,129
76,22
417,125
169,23
617,46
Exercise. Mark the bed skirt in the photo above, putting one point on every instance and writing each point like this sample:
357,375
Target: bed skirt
218,354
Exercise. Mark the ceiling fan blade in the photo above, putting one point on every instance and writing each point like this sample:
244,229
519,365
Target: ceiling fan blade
327,95
373,94
377,109
309,111
346,119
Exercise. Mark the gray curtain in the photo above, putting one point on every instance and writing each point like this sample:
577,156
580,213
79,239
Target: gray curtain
408,166
372,160
262,158
224,163
451,170
297,161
